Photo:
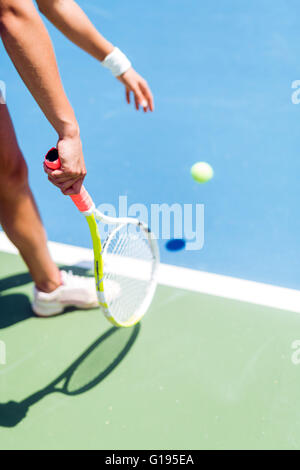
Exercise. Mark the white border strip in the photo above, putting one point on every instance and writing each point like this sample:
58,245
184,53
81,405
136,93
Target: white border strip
188,279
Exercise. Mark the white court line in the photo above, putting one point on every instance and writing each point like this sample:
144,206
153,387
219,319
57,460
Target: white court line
188,279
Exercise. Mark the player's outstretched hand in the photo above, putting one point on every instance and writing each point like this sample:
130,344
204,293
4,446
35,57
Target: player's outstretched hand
70,176
137,85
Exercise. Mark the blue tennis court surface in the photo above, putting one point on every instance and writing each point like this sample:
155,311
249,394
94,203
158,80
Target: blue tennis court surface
221,76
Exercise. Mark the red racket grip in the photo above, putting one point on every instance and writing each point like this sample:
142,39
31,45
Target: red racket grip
83,200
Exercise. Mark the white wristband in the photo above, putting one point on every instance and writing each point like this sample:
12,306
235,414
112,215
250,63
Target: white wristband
116,62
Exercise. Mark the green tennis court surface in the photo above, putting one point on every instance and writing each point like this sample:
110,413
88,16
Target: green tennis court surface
199,372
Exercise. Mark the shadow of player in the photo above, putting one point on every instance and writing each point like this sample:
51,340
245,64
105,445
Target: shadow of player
86,372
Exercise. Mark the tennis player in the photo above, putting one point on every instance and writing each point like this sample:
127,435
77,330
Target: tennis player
27,42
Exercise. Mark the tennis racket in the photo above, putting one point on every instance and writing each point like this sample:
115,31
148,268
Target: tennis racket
125,266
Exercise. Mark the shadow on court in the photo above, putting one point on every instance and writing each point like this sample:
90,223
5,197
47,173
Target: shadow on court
15,307
88,371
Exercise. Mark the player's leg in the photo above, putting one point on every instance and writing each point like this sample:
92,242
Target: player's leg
19,215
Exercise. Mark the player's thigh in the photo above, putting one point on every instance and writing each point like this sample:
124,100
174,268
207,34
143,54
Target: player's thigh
12,164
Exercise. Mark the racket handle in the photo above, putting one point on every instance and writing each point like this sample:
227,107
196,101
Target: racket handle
83,200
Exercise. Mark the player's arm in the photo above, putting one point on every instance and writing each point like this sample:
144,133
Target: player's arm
29,47
69,18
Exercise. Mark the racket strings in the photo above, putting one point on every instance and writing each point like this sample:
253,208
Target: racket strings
129,263
132,296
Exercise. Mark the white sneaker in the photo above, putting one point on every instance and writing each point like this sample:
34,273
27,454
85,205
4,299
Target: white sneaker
75,291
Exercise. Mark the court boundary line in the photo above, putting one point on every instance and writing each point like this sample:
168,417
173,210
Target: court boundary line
217,285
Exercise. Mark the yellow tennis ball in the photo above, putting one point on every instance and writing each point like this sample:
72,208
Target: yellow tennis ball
202,172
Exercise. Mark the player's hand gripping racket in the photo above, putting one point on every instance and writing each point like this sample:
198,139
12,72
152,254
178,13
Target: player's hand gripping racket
126,265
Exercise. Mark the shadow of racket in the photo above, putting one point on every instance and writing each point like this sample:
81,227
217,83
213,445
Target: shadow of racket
93,366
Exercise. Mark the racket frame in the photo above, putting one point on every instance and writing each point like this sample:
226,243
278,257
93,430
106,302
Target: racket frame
94,215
